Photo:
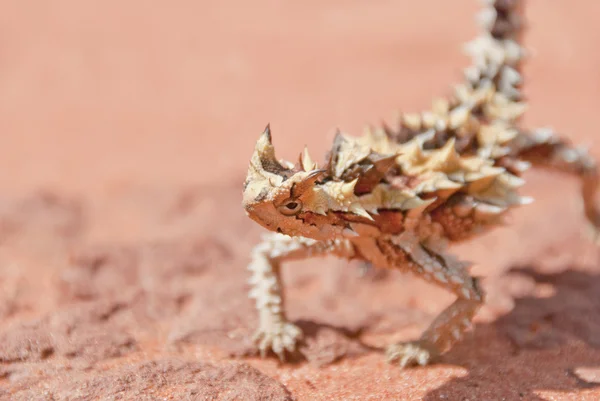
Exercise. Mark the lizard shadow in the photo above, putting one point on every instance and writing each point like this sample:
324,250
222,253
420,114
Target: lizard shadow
326,344
538,346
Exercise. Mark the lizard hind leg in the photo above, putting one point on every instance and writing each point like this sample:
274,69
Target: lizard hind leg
451,324
545,149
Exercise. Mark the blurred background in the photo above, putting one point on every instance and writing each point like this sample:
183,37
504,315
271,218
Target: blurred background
126,128
97,92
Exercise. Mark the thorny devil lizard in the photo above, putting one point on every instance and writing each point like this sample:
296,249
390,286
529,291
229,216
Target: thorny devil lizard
396,198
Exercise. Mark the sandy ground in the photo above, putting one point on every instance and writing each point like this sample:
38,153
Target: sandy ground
126,128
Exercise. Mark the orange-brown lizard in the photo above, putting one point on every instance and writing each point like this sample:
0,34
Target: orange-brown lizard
396,198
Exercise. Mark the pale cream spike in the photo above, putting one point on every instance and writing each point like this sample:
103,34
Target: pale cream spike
412,121
498,152
417,211
351,151
307,162
429,119
525,200
503,108
322,210
470,177
287,164
510,76
446,184
511,181
497,133
440,106
462,93
459,116
485,182
485,211
445,158
472,73
424,137
347,189
383,196
417,203
438,183
486,18
522,166
358,209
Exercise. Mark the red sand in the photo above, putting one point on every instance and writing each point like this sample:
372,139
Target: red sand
126,132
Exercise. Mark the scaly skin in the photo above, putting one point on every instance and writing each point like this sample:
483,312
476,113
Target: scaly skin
396,198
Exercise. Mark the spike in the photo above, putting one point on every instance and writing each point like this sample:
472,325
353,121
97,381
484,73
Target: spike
486,18
306,161
444,187
510,75
385,163
525,200
425,136
347,151
521,166
486,212
440,106
416,203
511,181
322,210
446,184
307,182
446,157
357,208
461,92
416,211
412,121
267,132
484,180
459,116
428,119
347,188
374,174
472,73
287,164
264,153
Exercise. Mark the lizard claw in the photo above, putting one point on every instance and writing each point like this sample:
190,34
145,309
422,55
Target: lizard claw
411,353
278,338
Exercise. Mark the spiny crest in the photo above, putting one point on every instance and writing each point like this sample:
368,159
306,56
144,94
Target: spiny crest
467,117
493,103
437,172
265,169
268,175
490,55
352,181
444,115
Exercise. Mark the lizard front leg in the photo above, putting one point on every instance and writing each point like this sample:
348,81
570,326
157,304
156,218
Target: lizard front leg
544,148
275,332
408,253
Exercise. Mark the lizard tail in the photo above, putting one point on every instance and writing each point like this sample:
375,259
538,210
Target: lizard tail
497,53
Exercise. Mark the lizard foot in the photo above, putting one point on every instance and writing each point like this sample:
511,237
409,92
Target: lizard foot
411,353
278,338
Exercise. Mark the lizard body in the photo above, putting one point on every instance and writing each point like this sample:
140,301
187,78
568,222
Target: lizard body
398,197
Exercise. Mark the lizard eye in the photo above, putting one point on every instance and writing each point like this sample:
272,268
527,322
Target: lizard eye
291,207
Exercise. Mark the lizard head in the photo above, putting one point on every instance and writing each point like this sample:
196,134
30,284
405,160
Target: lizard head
341,200
287,198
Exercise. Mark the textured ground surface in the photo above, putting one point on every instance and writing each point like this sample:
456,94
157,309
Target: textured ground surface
125,135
